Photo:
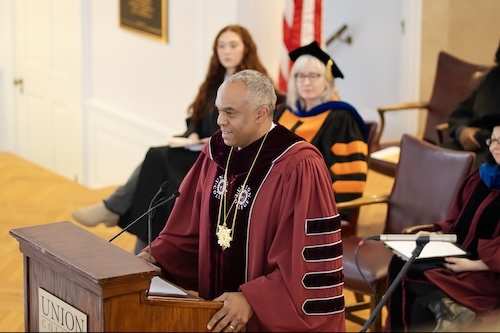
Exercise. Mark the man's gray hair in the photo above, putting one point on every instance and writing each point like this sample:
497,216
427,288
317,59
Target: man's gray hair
260,89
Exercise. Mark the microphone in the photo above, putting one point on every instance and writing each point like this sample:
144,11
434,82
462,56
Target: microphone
160,203
415,237
151,212
162,189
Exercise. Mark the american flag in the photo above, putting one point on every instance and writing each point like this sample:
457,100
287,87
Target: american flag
302,24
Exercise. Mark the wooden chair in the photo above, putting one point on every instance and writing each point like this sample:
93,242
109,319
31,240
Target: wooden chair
455,79
350,225
417,197
372,127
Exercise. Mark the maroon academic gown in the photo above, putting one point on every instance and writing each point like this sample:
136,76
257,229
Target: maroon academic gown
479,291
286,256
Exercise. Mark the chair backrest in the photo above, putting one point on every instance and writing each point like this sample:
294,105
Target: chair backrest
425,184
371,127
455,80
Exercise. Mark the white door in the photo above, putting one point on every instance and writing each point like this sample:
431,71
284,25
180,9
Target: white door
49,102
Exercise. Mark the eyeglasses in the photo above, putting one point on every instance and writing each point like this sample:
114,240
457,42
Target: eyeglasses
313,77
490,141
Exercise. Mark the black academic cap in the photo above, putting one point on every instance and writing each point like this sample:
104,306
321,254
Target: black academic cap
314,50
491,120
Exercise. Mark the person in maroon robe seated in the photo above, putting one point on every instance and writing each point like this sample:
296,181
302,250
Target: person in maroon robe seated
446,297
256,225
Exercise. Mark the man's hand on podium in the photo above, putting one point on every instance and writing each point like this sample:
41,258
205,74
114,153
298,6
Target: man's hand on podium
234,314
144,255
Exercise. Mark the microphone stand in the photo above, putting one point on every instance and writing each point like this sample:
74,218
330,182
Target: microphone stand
394,284
161,202
151,213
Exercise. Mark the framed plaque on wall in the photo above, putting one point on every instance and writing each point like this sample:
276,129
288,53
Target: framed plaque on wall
146,17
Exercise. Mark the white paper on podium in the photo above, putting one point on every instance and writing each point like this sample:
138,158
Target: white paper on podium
433,249
161,287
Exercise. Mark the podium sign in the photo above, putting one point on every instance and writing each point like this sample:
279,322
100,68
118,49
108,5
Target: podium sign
55,315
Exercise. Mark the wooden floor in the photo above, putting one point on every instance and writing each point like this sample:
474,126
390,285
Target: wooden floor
31,195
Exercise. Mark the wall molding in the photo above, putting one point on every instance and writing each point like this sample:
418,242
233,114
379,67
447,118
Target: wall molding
116,142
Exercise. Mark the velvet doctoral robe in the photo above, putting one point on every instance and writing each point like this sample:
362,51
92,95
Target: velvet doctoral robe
286,252
475,218
339,132
479,291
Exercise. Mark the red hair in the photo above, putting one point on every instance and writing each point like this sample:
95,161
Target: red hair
216,72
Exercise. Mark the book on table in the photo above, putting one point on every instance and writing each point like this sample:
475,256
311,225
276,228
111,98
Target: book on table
433,250
389,154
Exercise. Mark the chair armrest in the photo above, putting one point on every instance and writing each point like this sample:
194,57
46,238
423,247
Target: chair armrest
363,201
396,107
416,228
441,130
403,106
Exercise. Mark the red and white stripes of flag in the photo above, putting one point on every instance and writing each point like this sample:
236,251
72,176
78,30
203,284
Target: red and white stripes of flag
302,23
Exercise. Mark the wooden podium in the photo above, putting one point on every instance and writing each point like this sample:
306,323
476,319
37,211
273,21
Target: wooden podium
75,281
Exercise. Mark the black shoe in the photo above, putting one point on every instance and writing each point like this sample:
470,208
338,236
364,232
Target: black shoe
451,316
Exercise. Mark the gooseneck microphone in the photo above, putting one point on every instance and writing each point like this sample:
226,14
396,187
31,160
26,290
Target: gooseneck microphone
160,203
416,237
162,189
151,213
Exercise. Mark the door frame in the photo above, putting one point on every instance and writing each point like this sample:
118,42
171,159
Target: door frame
61,116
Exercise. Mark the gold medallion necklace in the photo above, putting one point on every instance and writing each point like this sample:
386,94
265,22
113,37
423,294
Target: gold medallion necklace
223,233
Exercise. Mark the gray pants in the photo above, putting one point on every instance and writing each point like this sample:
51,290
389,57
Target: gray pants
121,199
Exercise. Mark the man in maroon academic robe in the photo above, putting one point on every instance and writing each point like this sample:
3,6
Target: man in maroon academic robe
256,224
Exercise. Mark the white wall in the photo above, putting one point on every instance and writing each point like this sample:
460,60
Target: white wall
263,18
158,81
372,63
137,90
